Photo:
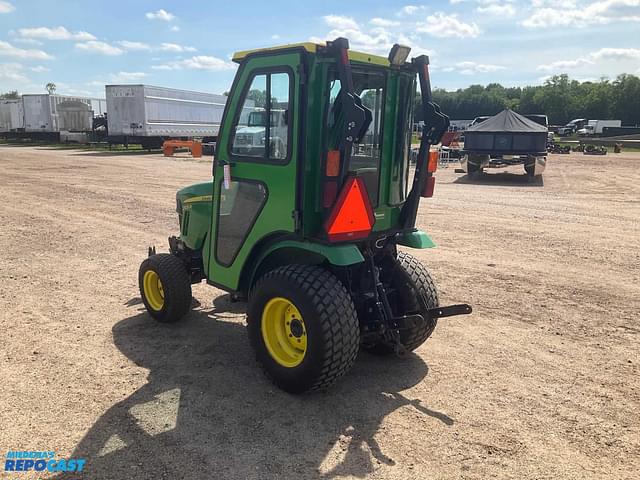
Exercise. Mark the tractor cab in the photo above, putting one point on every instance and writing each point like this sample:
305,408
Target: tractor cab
311,194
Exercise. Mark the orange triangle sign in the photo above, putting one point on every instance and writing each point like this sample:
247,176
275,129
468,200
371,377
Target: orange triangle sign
352,217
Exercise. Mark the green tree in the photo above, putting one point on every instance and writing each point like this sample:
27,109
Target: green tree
10,95
560,98
51,88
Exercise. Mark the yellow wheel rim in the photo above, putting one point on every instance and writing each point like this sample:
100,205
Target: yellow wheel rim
153,290
284,332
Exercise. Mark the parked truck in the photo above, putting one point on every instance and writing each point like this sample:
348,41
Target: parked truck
148,115
596,127
572,127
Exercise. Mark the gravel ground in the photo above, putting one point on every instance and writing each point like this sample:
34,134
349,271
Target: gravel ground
540,382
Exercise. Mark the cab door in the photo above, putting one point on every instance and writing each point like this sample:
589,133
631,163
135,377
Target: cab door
255,170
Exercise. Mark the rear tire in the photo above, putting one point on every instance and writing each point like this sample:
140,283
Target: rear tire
165,287
407,303
327,336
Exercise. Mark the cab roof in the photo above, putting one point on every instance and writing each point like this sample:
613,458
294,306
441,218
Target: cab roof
312,47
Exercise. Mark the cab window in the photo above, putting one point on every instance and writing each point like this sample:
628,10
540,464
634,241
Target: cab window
264,115
365,156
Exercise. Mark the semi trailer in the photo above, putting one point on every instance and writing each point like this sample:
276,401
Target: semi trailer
11,115
148,115
52,116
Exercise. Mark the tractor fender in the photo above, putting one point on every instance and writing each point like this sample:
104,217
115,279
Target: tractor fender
416,239
287,252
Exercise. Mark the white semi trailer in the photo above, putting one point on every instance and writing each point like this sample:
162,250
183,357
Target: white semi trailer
11,115
49,115
147,115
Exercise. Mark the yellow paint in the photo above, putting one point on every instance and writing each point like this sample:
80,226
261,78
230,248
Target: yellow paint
284,332
201,198
313,48
153,290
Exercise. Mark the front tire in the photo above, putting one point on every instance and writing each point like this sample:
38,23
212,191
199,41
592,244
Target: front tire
303,327
165,287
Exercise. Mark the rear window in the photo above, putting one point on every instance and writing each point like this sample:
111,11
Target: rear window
365,157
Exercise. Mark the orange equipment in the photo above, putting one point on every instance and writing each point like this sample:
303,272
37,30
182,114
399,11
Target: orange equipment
451,140
195,147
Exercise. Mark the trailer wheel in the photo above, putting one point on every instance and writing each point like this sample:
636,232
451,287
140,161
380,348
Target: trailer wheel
303,327
165,287
414,280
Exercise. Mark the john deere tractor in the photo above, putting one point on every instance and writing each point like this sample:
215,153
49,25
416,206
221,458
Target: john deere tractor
304,222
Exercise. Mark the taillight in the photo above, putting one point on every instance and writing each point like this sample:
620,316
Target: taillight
332,170
352,216
333,163
432,166
429,185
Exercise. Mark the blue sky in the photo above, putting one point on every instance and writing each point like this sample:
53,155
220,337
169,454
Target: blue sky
83,45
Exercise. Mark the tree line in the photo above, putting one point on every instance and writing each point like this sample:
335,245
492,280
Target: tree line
560,98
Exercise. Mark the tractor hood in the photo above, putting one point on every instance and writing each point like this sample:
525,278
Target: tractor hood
198,192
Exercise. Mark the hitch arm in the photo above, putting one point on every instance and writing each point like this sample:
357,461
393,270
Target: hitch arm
450,311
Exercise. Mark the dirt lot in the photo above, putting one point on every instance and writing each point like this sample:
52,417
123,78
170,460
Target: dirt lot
542,381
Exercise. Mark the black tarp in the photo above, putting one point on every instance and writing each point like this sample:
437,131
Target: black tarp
506,133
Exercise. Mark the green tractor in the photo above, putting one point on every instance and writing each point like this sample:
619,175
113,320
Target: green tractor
312,193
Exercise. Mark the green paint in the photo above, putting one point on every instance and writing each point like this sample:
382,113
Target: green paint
307,152
417,239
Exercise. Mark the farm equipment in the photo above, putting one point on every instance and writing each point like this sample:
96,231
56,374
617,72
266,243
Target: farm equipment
305,225
503,140
594,150
558,149
194,146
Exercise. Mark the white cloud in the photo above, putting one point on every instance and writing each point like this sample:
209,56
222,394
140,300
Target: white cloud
99,47
57,33
617,54
562,65
174,47
124,77
275,36
8,50
471,68
6,7
340,22
553,13
409,10
161,14
610,59
377,39
12,72
448,26
383,22
28,41
120,77
498,10
175,28
40,69
127,45
198,62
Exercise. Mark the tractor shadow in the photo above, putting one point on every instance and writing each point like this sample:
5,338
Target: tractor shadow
207,411
501,179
